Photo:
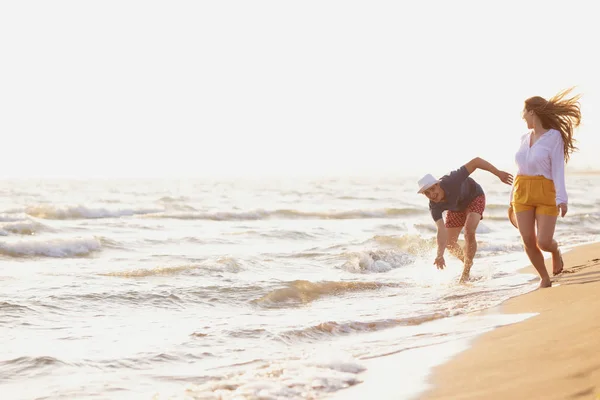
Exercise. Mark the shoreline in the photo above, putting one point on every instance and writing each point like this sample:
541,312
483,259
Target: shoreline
459,366
553,355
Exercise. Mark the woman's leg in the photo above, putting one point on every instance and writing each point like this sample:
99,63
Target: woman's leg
545,240
526,222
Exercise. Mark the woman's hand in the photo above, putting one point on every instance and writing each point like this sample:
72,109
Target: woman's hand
562,207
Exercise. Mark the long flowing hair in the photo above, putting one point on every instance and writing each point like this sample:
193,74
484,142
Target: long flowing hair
560,113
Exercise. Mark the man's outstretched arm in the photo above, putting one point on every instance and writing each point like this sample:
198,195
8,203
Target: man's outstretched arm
480,163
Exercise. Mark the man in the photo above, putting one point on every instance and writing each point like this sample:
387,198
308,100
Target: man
464,201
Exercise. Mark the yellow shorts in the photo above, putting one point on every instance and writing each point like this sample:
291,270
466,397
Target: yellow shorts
534,193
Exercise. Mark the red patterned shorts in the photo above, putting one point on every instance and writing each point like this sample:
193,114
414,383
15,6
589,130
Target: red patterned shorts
455,219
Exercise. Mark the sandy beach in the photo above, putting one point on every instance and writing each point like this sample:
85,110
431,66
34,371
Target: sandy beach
553,355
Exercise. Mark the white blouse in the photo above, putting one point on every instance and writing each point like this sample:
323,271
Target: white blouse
546,157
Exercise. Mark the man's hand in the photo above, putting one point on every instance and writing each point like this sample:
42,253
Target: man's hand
562,207
439,262
505,177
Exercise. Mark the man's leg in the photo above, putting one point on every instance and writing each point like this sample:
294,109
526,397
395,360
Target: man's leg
471,224
452,244
455,220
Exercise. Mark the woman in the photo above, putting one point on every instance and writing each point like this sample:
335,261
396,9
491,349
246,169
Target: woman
539,192
464,200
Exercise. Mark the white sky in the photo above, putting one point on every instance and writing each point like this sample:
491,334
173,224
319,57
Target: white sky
210,88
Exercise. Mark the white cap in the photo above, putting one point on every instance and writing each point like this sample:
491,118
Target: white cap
426,182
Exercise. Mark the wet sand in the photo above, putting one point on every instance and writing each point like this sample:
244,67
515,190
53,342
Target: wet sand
553,355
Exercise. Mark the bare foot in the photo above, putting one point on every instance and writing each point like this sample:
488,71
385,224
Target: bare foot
545,284
466,273
464,278
557,263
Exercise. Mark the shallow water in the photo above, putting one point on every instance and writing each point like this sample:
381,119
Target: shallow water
280,289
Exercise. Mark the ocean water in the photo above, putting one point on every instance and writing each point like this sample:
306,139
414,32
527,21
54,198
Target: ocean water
242,289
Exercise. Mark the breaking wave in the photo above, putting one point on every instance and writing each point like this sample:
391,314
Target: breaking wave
59,247
288,214
376,261
302,291
333,328
220,264
83,212
23,227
